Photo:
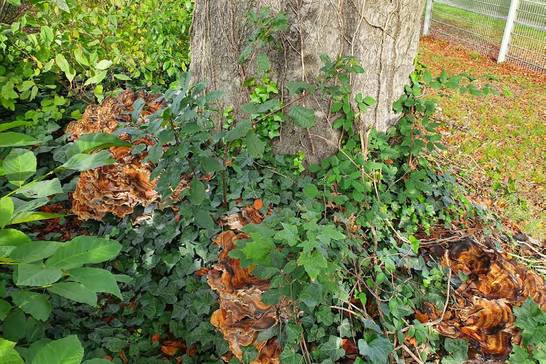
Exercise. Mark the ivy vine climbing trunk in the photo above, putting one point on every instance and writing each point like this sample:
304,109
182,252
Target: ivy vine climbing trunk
382,34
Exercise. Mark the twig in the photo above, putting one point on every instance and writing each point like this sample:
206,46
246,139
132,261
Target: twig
410,353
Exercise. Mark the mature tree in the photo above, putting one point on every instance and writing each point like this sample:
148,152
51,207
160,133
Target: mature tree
382,34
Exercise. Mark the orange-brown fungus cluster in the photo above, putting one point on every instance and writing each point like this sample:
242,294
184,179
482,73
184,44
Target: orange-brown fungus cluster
242,314
120,187
482,312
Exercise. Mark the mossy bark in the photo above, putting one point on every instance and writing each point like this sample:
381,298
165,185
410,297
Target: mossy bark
382,34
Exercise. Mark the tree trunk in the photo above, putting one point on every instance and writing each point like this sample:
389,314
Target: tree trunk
382,34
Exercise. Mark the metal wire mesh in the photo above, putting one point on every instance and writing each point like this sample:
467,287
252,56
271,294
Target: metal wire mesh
480,25
528,43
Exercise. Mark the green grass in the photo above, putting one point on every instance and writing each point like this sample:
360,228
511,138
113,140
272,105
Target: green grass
490,27
496,142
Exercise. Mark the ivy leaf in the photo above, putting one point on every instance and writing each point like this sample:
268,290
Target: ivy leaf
310,190
332,348
97,361
203,219
264,65
519,356
255,146
197,192
458,350
210,164
313,263
35,304
241,129
261,243
532,321
291,357
297,87
67,350
377,350
289,234
302,116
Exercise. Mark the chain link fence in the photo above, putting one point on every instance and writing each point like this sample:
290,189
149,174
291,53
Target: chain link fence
506,30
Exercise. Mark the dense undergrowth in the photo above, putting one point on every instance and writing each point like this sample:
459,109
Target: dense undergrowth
335,247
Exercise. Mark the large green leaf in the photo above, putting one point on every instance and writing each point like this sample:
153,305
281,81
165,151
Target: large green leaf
82,162
5,308
34,251
13,124
65,66
302,116
41,189
23,207
91,142
75,292
36,275
35,304
6,210
11,139
97,280
13,327
11,238
103,65
19,165
67,350
34,216
8,354
84,250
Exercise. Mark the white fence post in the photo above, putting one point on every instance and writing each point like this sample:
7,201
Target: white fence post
508,29
428,18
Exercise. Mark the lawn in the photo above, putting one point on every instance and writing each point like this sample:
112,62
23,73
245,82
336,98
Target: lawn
496,144
486,32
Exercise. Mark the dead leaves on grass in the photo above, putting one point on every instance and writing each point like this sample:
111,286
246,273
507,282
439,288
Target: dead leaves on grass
483,312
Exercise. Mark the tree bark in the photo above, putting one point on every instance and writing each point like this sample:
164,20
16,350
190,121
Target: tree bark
382,34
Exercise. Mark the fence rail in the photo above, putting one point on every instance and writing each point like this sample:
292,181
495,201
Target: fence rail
506,30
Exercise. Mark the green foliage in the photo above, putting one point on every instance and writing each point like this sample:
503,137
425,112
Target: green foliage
341,238
48,67
532,322
43,266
